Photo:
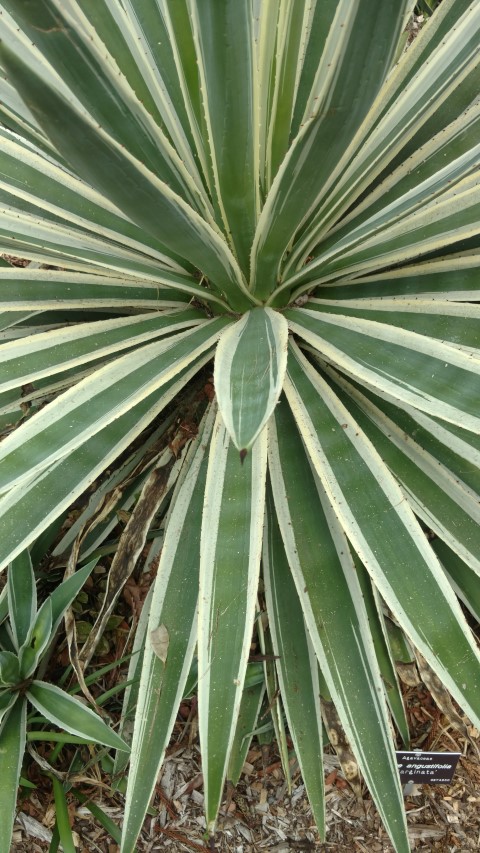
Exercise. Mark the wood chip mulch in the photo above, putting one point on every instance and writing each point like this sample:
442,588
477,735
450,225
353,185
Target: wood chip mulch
261,815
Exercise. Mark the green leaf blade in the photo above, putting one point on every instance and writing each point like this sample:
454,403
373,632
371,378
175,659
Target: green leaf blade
127,182
225,48
69,714
423,372
12,747
48,495
433,483
98,399
173,161
384,532
9,671
386,661
174,603
434,84
246,723
62,817
463,579
231,536
59,350
250,365
63,594
37,640
22,597
323,571
334,112
296,665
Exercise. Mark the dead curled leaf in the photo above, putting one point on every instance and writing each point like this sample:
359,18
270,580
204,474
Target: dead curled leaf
159,639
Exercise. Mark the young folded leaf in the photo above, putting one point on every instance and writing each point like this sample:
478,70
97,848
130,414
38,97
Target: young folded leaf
63,595
9,669
37,640
22,597
7,699
250,364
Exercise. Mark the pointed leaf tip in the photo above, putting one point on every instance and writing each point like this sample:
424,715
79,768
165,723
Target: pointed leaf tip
243,454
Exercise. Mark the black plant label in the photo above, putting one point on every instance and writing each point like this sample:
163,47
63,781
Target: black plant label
432,768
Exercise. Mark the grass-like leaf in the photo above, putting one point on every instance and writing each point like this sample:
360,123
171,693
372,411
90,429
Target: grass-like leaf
12,742
69,714
22,597
62,817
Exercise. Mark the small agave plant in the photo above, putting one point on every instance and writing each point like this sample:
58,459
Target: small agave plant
275,193
26,634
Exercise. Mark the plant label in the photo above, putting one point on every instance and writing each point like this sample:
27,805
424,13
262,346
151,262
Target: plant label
432,768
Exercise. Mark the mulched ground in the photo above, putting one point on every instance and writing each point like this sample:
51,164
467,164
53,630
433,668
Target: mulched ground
260,815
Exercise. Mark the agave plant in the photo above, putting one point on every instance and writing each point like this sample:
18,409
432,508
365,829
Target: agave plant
274,187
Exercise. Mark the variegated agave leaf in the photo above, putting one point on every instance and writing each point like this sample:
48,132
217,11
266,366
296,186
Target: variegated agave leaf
279,193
